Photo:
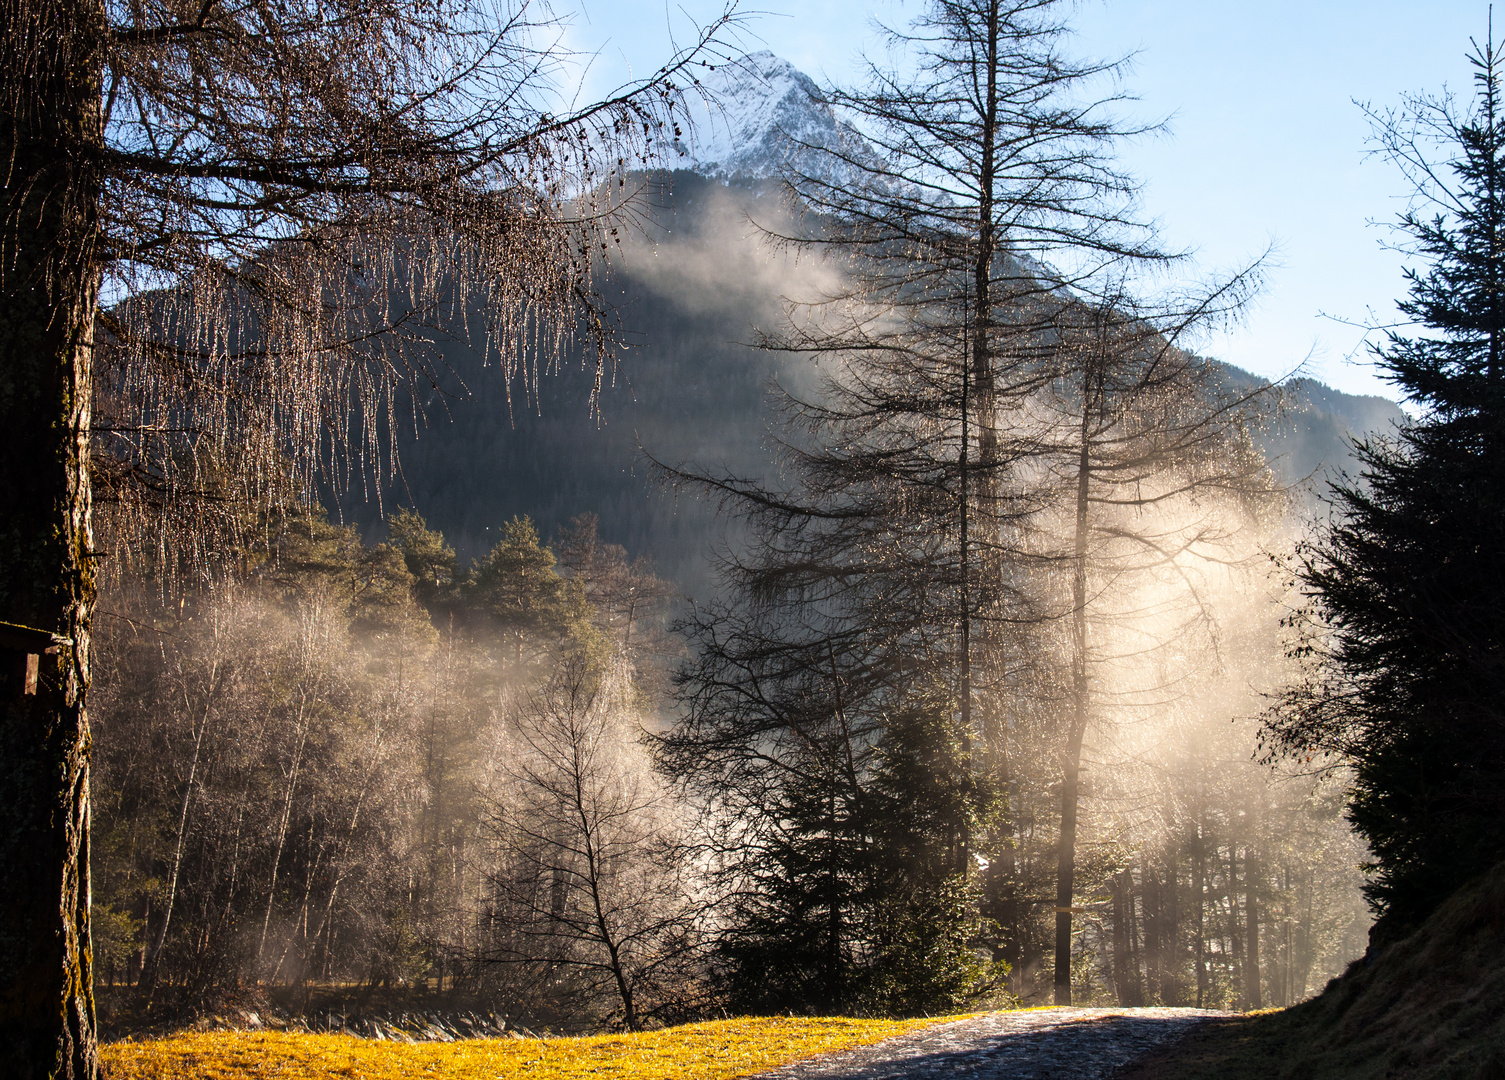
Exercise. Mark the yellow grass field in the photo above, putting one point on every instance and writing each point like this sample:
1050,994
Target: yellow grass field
714,1050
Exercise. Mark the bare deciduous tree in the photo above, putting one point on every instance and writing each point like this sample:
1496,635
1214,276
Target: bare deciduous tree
1134,433
589,876
1002,346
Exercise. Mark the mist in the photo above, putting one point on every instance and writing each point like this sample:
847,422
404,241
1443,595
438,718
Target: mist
410,833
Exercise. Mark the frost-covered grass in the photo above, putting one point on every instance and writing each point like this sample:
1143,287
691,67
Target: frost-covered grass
714,1050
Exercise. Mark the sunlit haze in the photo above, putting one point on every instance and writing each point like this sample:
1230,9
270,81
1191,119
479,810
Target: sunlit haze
1265,144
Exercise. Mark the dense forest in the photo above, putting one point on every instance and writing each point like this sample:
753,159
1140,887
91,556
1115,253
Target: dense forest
374,765
377,767
244,839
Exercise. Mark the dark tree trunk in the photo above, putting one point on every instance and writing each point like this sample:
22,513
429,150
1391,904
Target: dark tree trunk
1136,946
1235,930
1173,952
1253,993
1199,890
49,286
1150,894
1125,968
1071,764
980,404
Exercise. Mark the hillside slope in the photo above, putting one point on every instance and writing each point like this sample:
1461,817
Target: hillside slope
684,390
690,291
1308,443
1426,1008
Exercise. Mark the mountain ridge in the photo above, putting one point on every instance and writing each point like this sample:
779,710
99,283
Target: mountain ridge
762,111
689,390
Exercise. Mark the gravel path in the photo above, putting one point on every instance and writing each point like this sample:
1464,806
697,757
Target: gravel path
1061,1044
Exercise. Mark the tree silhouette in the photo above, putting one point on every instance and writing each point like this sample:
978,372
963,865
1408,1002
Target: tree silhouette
1404,625
985,362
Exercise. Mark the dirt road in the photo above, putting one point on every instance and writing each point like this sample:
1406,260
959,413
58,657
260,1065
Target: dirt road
1059,1044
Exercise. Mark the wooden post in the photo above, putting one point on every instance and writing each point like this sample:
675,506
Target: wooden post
21,652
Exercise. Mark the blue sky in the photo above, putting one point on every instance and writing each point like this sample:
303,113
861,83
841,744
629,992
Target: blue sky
1265,144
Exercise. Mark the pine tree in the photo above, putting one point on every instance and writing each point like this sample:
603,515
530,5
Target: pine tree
925,812
1407,621
853,896
428,557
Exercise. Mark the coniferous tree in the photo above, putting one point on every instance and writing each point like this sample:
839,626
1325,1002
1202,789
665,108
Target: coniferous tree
429,558
856,897
1154,472
888,565
926,812
1407,616
515,586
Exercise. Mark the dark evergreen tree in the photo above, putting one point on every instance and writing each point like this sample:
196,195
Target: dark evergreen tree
856,897
927,813
429,558
1407,585
796,922
516,588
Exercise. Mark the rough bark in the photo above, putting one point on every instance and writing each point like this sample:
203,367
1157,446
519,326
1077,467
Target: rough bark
49,286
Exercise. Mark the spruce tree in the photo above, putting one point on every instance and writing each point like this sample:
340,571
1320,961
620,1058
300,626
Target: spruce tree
1406,583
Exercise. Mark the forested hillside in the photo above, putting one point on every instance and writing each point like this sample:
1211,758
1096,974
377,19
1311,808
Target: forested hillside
693,289
689,289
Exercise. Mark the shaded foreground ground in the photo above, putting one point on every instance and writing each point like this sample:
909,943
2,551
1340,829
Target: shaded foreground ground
1228,1048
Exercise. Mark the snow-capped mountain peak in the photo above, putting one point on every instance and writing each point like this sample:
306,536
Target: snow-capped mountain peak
760,109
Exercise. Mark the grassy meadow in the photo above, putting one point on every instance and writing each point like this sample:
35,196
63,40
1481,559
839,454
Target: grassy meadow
712,1050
